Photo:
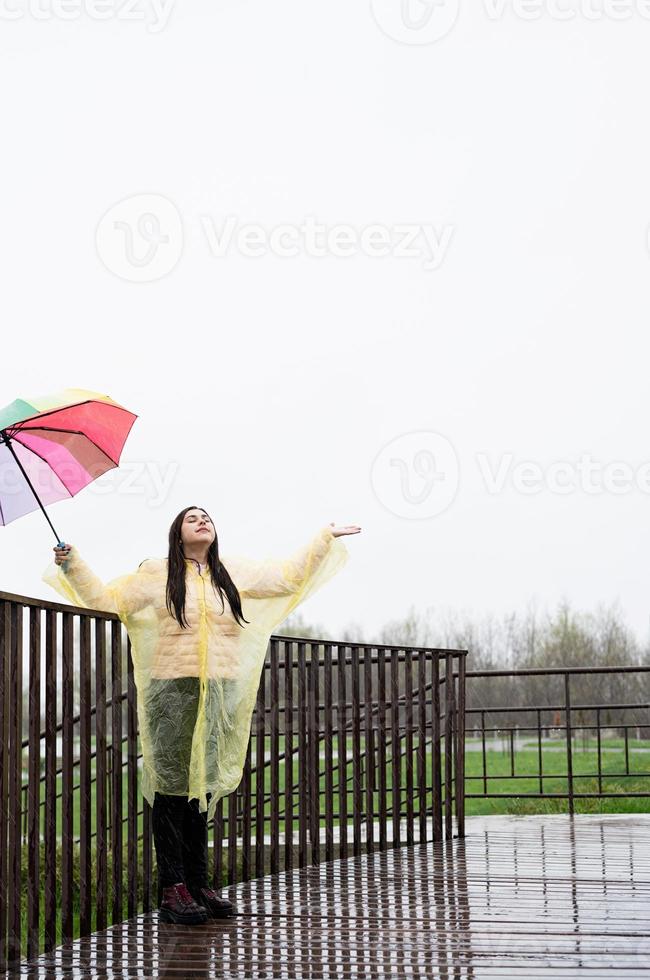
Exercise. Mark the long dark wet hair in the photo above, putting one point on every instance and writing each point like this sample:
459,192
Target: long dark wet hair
221,580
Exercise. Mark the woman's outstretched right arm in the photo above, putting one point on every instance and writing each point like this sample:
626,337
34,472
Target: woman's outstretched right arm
72,578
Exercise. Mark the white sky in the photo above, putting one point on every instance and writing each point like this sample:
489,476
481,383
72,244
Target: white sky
282,392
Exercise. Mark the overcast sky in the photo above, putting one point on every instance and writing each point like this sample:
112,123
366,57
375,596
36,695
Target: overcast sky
348,262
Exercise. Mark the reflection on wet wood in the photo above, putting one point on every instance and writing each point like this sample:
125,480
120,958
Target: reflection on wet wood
519,897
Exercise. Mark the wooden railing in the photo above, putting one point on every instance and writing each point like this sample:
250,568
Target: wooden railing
353,747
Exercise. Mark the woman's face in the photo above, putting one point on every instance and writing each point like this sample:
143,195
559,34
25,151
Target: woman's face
197,526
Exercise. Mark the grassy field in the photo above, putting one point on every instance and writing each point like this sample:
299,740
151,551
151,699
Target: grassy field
554,767
499,781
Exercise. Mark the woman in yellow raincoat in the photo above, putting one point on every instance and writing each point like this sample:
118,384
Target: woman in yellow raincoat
199,626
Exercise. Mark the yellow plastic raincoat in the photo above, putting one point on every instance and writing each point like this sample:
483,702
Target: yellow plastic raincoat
196,687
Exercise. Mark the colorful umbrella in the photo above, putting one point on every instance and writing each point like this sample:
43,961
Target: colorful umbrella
55,445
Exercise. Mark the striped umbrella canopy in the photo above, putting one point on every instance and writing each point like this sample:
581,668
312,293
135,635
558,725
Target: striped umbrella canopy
52,446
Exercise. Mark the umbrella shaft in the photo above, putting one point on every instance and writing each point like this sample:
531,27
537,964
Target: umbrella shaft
29,483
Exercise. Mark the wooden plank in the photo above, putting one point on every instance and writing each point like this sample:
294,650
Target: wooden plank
288,753
531,897
329,755
34,785
67,787
101,803
51,727
342,750
85,821
274,741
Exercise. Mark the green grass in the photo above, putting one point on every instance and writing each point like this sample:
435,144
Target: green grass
499,781
554,767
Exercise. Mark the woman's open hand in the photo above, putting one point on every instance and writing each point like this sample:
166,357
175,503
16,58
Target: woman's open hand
61,554
344,529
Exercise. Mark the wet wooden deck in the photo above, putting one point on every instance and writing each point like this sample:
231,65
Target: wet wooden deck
520,897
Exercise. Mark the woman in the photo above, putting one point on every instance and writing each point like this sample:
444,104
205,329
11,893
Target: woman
199,627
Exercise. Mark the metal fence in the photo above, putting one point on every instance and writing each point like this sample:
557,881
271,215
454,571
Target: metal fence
553,710
353,747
